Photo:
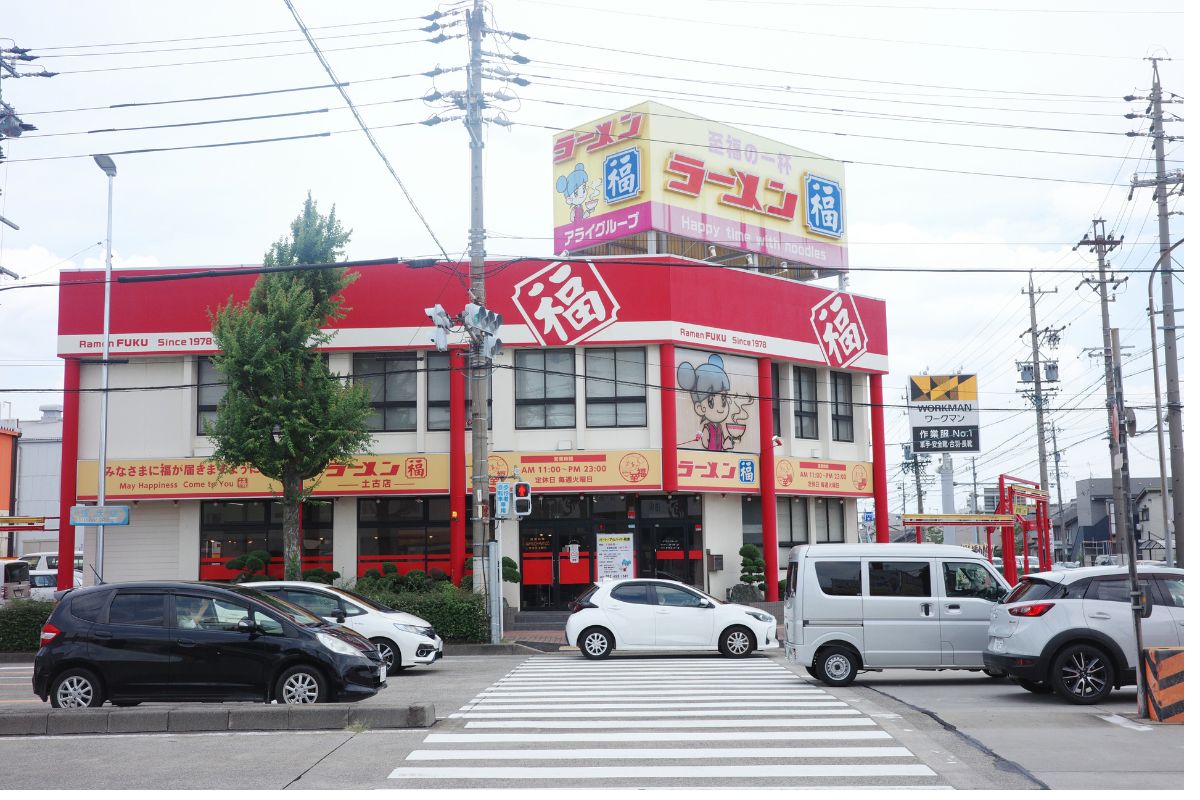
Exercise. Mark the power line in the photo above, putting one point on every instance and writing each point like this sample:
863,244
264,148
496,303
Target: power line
370,137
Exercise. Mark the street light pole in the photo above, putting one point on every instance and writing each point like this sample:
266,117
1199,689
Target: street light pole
110,169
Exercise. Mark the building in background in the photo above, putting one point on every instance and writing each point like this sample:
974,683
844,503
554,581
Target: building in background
1096,533
37,469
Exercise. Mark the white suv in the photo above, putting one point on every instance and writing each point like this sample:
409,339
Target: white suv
1071,631
403,640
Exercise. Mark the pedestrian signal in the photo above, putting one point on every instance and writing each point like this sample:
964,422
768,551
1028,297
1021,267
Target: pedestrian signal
522,499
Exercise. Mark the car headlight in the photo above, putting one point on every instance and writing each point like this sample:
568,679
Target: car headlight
418,630
760,616
338,646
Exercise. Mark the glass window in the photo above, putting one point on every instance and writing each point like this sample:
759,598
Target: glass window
319,603
615,387
792,570
792,513
805,409
231,529
15,572
210,388
632,593
391,383
899,578
268,624
87,606
970,579
437,400
1031,589
194,612
840,578
674,596
545,388
1109,589
1172,588
132,608
843,406
829,517
47,581
405,526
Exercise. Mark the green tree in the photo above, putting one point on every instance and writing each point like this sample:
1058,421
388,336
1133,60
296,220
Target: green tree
283,412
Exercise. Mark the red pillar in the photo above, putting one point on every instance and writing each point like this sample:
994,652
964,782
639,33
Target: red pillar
666,396
458,465
766,478
68,474
879,459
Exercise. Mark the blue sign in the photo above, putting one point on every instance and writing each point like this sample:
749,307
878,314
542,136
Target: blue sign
823,198
746,471
99,515
868,516
623,175
504,493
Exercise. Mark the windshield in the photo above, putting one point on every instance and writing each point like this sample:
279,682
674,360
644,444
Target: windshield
293,612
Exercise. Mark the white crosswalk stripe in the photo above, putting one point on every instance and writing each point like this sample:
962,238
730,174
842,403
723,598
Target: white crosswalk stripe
557,721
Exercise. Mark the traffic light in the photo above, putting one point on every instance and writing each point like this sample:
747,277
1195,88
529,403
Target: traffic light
522,499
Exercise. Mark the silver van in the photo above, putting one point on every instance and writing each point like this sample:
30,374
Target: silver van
858,607
14,580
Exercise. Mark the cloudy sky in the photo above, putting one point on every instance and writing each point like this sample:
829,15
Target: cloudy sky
976,135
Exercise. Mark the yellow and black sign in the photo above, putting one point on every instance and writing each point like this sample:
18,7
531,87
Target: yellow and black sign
937,388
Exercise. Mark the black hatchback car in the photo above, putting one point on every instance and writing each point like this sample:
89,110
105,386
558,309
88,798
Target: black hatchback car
177,641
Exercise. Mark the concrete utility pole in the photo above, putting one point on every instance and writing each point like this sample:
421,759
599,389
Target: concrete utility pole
1161,180
1102,243
946,470
975,497
478,362
1122,431
1062,512
1039,400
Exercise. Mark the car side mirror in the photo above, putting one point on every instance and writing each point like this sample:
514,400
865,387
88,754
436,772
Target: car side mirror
246,625
339,615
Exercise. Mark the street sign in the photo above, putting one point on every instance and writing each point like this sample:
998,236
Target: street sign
943,411
504,495
99,515
868,516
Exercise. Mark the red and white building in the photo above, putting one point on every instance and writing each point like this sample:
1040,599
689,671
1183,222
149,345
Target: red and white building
657,404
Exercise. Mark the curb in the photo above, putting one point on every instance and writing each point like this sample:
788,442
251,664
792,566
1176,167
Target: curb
503,649
328,716
16,658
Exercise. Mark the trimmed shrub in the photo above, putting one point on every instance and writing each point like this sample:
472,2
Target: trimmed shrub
455,614
21,624
251,564
320,575
754,567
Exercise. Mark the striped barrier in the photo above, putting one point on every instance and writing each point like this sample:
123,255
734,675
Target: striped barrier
1164,683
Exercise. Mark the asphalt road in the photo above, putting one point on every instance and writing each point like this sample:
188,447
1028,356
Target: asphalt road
655,721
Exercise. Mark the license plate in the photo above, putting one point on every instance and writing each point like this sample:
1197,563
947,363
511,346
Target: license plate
996,645
382,674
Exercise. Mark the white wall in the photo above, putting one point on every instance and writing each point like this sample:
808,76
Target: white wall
722,521
152,547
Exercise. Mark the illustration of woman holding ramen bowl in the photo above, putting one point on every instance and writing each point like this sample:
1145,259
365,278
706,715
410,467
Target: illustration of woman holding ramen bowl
722,415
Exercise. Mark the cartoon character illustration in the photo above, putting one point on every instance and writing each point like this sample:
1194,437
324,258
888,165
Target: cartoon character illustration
722,415
578,193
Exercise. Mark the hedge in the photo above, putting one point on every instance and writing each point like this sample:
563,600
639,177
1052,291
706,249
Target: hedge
21,624
455,614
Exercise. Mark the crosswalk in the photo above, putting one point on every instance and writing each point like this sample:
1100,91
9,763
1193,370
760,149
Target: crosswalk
680,722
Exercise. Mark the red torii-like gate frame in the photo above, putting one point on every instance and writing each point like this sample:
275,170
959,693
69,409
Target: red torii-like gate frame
1012,487
1006,522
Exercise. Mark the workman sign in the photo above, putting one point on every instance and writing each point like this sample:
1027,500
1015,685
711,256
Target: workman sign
944,413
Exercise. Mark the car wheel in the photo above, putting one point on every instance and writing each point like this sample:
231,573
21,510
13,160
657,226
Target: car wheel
812,672
994,673
835,666
1037,687
389,653
595,643
1082,674
300,685
736,642
76,688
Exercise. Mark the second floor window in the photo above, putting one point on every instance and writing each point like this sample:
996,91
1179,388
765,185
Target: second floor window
615,387
391,383
209,391
437,401
545,388
842,384
805,380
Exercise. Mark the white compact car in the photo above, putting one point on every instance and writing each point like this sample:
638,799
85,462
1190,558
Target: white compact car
43,583
1071,631
403,640
48,559
644,614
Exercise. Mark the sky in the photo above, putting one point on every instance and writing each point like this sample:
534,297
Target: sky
975,135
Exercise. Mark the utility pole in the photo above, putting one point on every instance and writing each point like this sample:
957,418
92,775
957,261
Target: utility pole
478,364
1062,512
913,463
1122,430
903,487
946,470
1161,181
1039,400
12,126
975,498
1101,243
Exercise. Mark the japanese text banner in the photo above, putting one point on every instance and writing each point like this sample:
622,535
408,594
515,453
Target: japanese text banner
829,478
722,472
563,471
